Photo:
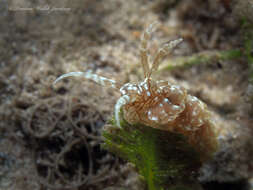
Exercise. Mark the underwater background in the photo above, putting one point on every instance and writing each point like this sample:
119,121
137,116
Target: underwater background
51,136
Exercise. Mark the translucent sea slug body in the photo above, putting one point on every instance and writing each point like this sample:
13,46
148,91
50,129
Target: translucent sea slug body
159,104
168,107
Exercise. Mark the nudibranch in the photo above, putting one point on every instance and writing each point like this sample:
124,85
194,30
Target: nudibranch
159,104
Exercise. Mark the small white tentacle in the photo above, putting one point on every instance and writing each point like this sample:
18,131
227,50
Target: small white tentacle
144,47
121,101
88,75
162,52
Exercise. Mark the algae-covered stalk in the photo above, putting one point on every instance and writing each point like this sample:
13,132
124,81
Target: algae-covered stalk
165,132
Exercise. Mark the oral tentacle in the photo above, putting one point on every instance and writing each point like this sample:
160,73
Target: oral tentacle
93,77
123,100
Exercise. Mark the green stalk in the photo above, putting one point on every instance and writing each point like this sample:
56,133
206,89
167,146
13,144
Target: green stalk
247,28
207,57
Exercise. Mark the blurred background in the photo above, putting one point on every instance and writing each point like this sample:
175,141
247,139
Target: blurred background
50,137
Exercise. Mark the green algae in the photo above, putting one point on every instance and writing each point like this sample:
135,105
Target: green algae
164,159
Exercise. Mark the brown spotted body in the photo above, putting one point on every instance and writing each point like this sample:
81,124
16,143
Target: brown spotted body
154,104
168,107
